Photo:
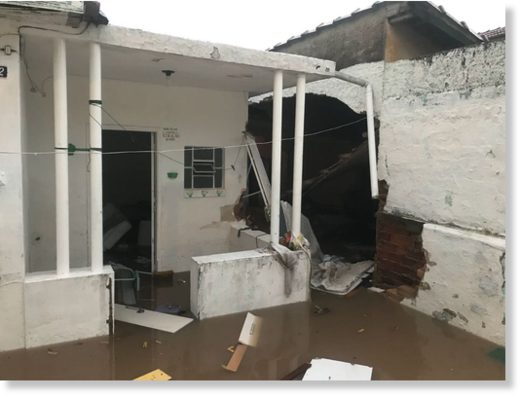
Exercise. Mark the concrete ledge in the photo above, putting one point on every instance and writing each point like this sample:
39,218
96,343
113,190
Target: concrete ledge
243,281
248,239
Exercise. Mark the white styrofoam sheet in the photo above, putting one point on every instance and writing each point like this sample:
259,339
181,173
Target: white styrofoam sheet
325,369
150,319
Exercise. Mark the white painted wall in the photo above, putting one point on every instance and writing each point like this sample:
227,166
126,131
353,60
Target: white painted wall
185,227
59,310
12,216
243,281
465,274
443,137
443,154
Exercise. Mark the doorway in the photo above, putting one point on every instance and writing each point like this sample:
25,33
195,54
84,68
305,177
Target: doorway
129,199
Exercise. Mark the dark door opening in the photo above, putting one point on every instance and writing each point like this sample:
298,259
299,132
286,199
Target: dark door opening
128,199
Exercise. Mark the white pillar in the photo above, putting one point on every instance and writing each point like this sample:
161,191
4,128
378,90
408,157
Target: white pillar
276,157
372,155
298,156
96,175
61,157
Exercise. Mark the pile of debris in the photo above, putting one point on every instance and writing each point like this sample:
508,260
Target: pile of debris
329,273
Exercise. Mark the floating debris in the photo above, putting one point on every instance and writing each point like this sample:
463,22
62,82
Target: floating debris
320,310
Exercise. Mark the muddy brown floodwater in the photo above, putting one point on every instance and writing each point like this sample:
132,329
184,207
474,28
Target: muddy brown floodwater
366,328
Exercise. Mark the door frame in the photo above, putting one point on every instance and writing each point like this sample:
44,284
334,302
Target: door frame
107,128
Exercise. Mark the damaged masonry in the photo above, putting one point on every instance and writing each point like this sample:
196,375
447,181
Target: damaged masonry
179,209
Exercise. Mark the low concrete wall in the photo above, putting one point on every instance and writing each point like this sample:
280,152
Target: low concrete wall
241,239
65,309
12,322
464,283
243,281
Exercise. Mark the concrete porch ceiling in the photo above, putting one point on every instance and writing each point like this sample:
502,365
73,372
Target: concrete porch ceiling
137,56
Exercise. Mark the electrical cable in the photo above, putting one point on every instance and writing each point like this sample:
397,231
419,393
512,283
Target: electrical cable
34,86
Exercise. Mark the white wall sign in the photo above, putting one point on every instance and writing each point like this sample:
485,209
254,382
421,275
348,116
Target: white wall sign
170,133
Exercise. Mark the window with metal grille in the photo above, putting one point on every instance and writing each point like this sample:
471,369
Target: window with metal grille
203,167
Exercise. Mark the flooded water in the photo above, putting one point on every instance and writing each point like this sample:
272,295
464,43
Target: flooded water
365,328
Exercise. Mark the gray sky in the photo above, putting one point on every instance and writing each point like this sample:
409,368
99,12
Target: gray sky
264,23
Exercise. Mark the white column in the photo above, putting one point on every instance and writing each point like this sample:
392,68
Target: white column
372,155
276,160
61,157
298,156
96,176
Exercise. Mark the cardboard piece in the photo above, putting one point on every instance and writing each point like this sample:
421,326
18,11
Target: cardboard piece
236,358
250,330
325,369
155,375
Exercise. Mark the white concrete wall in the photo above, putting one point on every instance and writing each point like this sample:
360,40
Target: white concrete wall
465,281
59,310
443,154
243,281
443,136
12,213
185,227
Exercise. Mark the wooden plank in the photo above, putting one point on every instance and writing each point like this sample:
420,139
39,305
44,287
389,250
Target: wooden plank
236,358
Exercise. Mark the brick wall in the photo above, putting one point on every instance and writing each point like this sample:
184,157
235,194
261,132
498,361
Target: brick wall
400,258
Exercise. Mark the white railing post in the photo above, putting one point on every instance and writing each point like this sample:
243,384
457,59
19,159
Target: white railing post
61,157
299,121
276,159
96,171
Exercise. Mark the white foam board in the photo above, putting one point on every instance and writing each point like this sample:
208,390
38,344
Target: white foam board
325,369
148,318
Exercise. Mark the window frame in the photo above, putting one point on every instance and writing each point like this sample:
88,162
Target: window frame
197,156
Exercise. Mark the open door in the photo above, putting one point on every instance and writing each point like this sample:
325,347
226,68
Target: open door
129,199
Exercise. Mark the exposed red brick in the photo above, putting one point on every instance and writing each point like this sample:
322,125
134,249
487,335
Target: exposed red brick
400,258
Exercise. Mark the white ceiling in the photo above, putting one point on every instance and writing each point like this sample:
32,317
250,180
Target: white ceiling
121,63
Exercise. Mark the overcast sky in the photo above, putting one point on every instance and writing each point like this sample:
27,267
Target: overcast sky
261,24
